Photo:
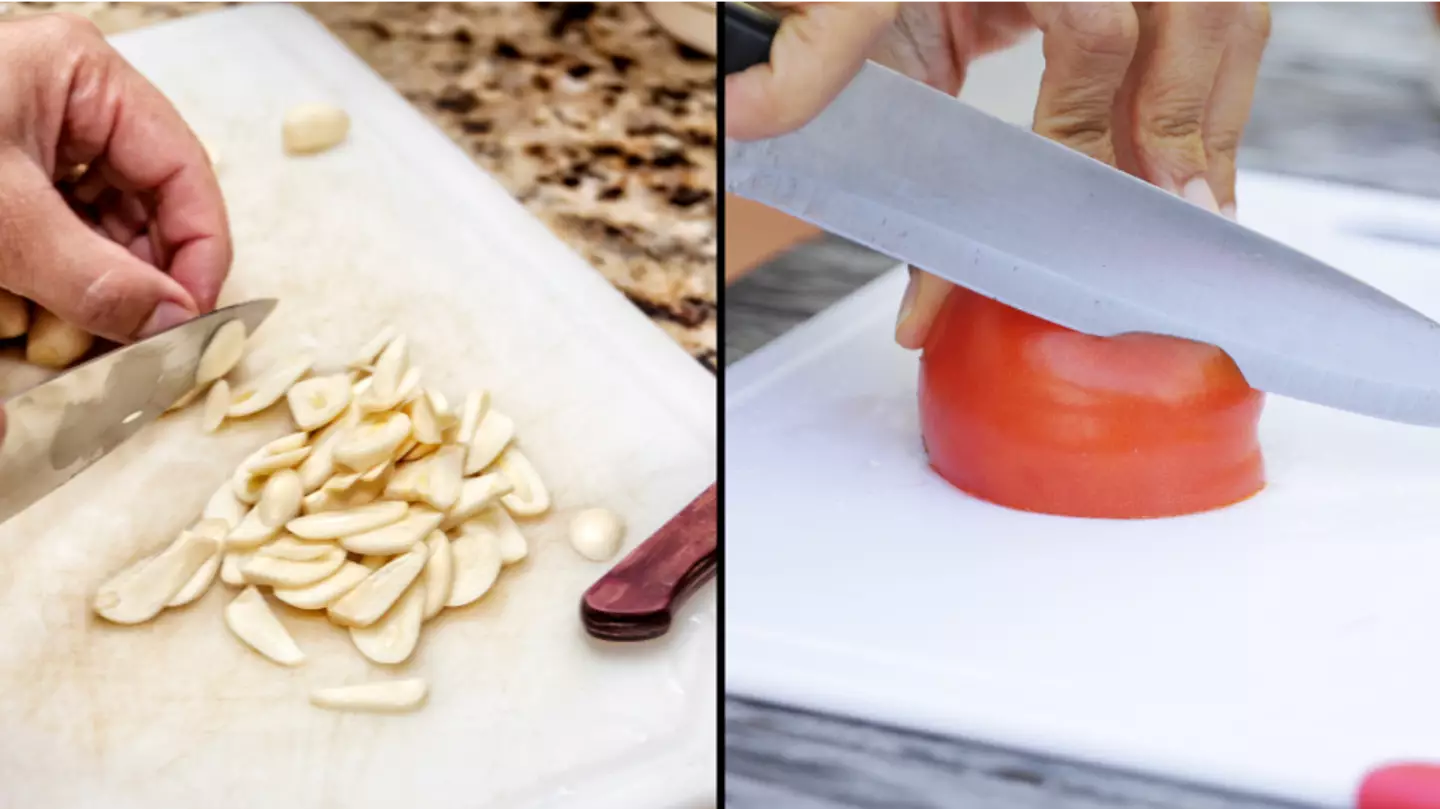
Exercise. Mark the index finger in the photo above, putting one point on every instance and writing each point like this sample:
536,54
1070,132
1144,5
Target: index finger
115,116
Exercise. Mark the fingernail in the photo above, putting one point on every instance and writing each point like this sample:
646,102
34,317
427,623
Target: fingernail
907,303
1197,192
164,316
1228,211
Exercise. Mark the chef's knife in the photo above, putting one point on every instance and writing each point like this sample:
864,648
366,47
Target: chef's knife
920,176
55,430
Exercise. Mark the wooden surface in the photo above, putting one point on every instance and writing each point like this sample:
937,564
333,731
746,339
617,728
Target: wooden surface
1346,95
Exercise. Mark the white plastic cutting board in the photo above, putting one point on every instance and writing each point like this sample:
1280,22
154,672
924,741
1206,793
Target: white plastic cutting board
396,226
1283,645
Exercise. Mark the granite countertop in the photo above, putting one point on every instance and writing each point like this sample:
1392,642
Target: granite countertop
598,121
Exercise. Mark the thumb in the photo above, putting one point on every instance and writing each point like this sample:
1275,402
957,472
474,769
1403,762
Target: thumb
816,52
924,296
49,255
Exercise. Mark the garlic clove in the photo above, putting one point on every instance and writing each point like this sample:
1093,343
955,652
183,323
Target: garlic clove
217,402
471,412
397,537
530,496
491,438
276,572
476,495
392,639
595,534
202,579
251,533
373,597
365,358
319,465
420,451
371,441
288,459
375,472
475,556
390,368
439,483
386,696
318,502
268,388
316,402
295,550
445,416
230,567
250,618
139,594
341,483
224,505
423,423
325,592
509,540
246,487
280,499
439,574
221,354
338,524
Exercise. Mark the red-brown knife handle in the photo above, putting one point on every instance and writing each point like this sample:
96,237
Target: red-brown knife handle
638,597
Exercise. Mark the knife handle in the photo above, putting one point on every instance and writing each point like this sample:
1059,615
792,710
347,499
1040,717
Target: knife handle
638,597
749,30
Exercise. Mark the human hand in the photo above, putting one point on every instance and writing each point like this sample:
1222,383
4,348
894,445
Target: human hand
1159,90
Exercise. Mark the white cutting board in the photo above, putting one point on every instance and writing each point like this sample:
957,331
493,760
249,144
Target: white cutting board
1283,645
396,226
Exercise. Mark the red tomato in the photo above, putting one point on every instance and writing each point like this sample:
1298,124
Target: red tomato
1027,414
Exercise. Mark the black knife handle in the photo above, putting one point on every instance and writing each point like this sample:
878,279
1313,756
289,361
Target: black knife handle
748,34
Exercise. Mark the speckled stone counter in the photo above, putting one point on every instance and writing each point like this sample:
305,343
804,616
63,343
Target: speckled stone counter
591,115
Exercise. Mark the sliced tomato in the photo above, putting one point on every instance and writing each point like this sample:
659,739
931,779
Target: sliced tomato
1027,414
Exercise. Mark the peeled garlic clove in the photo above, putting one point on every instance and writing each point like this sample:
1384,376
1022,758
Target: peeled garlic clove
319,465
476,403
288,547
316,402
509,540
338,524
392,639
439,573
221,353
476,495
423,423
595,533
313,128
390,368
230,567
372,440
439,483
224,505
280,460
250,618
373,597
530,496
491,437
277,572
367,354
203,577
280,499
323,593
388,696
397,537
251,533
142,593
267,390
475,556
217,402
246,487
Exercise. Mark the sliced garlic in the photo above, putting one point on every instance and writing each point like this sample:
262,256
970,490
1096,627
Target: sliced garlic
279,460
397,537
338,524
595,533
375,472
439,483
371,441
408,445
476,403
476,495
390,368
341,483
370,599
250,618
246,487
387,696
319,502
224,505
185,399
319,465
140,594
267,390
374,561
221,353
205,575
372,401
530,496
230,567
316,402
280,499
405,483
475,556
445,417
367,354
296,550
392,639
323,593
277,572
509,540
420,451
439,573
491,437
217,402
251,533
423,423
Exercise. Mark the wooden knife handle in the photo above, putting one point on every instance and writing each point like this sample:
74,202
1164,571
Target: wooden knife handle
749,30
638,597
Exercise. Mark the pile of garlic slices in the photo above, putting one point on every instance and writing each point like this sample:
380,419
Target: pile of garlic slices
387,506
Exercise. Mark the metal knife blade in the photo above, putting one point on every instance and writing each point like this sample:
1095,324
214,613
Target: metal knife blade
55,430
920,176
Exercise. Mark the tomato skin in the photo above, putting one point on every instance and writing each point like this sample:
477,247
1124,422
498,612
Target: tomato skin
1034,416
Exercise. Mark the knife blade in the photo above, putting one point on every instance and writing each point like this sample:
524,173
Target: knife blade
55,430
920,176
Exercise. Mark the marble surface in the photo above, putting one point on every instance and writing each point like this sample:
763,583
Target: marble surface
1345,94
598,121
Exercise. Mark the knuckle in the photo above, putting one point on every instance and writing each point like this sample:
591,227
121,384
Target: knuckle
1100,29
1224,143
1172,120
